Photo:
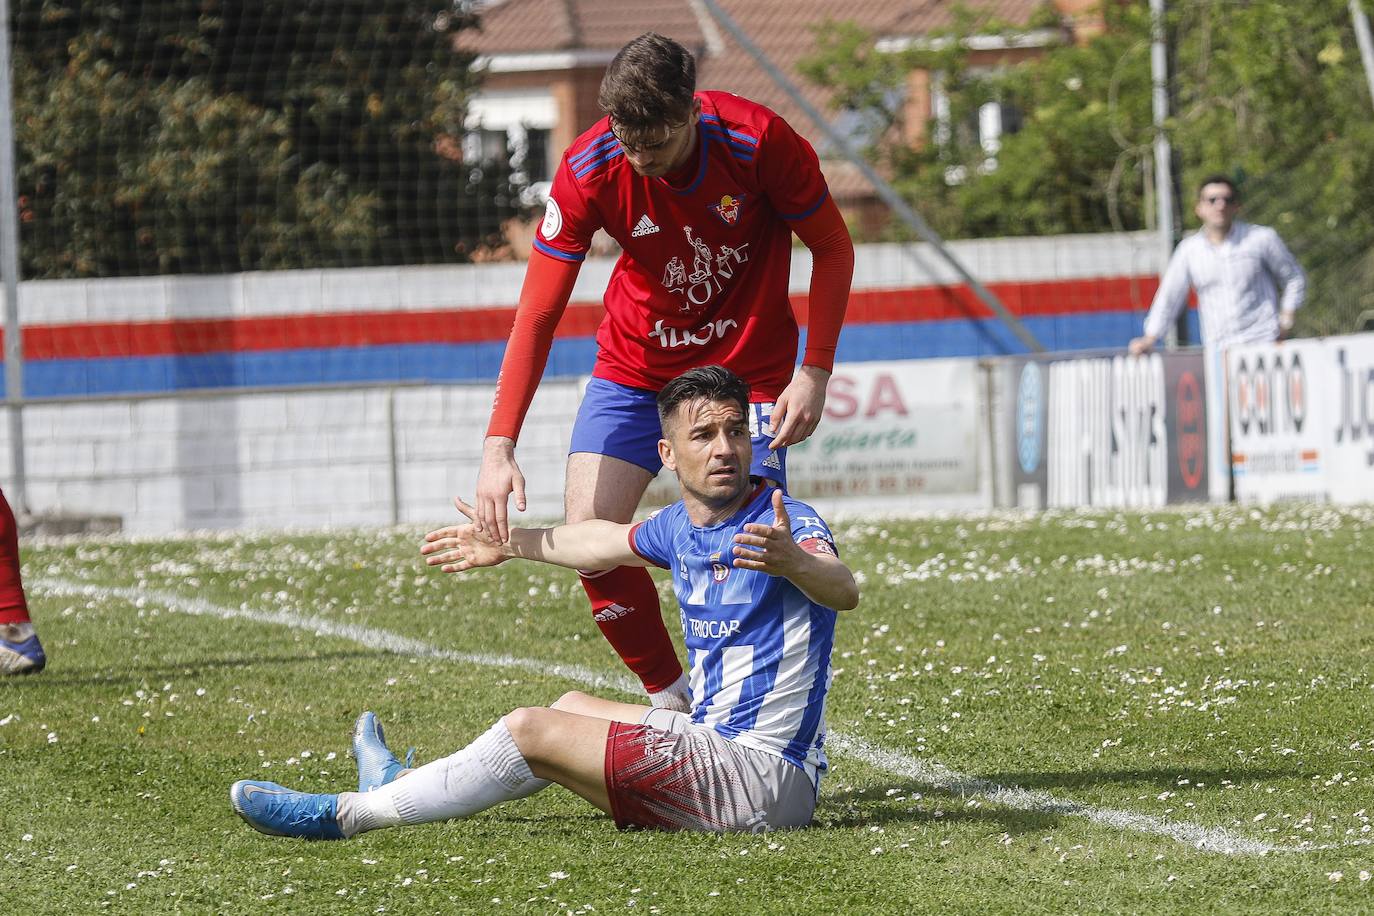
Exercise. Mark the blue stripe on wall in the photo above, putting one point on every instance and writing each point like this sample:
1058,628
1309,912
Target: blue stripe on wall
569,357
989,337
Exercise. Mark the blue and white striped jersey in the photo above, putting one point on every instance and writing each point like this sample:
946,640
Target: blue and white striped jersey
759,649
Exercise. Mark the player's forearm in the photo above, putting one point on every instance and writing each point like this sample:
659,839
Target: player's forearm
832,272
545,294
827,581
593,544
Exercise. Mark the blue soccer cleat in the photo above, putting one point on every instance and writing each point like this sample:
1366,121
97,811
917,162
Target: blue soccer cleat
377,766
279,811
20,650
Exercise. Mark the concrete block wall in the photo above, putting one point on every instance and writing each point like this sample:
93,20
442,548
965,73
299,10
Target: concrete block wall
281,460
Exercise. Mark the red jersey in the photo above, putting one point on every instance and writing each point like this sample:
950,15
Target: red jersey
703,275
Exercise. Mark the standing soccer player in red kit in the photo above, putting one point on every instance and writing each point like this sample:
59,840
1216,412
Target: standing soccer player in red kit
703,191
20,651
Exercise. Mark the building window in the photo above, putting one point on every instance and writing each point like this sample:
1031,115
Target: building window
530,154
983,127
513,128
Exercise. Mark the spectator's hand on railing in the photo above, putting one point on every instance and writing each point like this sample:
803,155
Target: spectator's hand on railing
1285,325
1142,345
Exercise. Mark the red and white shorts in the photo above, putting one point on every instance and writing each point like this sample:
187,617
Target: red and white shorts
671,774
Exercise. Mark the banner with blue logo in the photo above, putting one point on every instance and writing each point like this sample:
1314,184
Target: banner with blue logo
1107,430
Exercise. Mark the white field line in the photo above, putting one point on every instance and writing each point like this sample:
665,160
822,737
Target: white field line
928,773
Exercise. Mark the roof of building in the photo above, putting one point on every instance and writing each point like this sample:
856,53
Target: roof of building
786,31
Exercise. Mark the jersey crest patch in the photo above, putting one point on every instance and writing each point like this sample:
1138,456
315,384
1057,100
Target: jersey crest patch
728,208
719,571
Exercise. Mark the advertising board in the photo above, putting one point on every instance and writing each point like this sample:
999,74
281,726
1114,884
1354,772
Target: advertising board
1302,420
1351,469
1107,431
894,436
1278,433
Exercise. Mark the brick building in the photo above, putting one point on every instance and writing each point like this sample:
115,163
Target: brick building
544,59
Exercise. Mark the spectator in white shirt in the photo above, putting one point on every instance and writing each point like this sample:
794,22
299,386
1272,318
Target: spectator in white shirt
1238,270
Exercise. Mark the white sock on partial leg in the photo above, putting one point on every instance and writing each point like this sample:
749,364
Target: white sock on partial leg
487,772
677,695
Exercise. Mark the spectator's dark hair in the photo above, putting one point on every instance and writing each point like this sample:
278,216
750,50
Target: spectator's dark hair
1220,179
704,383
650,83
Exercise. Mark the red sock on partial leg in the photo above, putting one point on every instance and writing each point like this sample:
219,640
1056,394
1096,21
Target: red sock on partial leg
625,607
13,607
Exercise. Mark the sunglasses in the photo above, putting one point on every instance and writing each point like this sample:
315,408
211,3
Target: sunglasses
632,147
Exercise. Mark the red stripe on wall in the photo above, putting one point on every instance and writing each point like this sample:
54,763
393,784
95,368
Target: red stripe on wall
353,329
581,319
935,303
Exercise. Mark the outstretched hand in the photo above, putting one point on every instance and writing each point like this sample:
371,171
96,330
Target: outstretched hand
461,547
769,548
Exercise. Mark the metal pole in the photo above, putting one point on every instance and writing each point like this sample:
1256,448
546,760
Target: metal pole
1366,43
885,191
1164,182
9,268
392,456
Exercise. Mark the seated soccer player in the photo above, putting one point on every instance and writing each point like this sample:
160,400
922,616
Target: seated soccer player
759,582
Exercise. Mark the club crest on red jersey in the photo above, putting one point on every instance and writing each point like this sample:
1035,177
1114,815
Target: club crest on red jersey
728,208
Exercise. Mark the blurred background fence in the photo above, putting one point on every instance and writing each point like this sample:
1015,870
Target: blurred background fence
231,195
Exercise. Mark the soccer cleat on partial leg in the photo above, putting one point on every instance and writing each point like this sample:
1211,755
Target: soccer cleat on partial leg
377,766
20,650
279,811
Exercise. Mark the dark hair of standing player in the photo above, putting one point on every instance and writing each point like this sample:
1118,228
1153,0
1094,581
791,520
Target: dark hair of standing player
649,84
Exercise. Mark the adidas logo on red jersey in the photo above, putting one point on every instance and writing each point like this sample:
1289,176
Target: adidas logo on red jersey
611,612
645,226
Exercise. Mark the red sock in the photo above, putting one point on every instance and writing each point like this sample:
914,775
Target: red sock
13,607
625,607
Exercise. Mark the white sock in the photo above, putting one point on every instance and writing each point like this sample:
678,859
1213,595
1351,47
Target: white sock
677,695
16,632
487,772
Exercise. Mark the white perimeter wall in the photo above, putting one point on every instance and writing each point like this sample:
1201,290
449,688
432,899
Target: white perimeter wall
476,286
321,459
281,460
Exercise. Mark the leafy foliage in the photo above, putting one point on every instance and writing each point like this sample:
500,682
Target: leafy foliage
1272,93
211,136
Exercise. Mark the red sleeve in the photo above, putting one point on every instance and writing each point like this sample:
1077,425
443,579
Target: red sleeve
565,232
544,296
790,171
832,270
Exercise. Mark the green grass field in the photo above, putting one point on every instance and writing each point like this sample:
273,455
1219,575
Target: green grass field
1171,712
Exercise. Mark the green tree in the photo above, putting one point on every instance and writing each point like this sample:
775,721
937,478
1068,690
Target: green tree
208,135
1269,92
1067,167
